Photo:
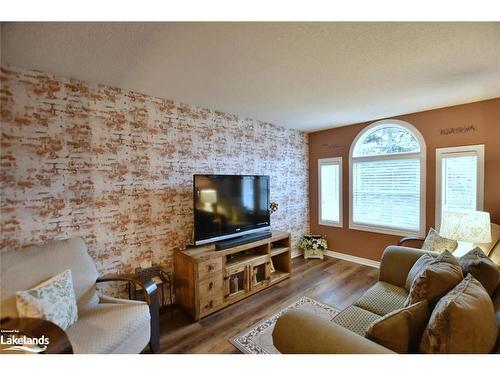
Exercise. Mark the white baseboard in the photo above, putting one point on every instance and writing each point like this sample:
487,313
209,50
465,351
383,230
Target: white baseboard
352,258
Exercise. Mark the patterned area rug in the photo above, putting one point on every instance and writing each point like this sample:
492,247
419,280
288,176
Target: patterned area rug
258,338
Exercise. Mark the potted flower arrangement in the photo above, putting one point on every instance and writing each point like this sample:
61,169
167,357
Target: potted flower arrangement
313,246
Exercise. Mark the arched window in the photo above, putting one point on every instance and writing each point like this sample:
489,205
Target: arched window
387,179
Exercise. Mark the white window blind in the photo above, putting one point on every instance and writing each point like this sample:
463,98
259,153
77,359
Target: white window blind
387,171
386,193
330,191
459,179
459,182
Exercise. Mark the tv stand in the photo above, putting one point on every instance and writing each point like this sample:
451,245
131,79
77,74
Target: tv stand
207,280
242,240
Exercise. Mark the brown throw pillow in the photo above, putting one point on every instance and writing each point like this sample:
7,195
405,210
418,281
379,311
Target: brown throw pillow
401,330
482,268
434,242
435,279
463,321
417,268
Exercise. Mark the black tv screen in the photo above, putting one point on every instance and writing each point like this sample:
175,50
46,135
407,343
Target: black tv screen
227,206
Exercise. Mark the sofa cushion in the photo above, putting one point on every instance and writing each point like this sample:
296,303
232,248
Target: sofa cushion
435,280
434,242
355,319
43,262
111,328
482,268
53,300
463,321
417,268
382,298
401,329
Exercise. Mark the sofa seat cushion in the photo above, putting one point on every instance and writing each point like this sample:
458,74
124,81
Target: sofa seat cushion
355,319
382,298
111,328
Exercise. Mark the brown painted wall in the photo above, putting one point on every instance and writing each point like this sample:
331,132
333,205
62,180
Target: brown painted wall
435,126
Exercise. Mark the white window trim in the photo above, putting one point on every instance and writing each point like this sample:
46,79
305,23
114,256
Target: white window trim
423,167
457,151
330,161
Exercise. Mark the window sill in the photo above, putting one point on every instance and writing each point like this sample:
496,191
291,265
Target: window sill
331,224
385,230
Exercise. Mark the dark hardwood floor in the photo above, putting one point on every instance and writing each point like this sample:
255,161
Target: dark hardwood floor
335,282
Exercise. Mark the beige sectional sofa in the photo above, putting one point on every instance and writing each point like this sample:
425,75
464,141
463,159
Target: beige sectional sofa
302,332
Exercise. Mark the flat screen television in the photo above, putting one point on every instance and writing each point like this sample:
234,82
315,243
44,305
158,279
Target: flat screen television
228,206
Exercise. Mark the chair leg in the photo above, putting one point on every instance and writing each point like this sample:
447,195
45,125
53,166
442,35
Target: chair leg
154,341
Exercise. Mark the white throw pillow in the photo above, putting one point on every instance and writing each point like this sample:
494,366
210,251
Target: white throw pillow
434,242
53,300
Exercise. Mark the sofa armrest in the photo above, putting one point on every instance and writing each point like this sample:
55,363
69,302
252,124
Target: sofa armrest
300,332
151,295
397,261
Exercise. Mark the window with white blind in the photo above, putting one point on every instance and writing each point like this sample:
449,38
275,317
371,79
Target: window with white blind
387,179
330,191
459,179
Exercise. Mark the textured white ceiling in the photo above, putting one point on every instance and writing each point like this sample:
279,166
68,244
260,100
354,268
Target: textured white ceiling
306,76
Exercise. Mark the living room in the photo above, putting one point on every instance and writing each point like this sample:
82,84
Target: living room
250,188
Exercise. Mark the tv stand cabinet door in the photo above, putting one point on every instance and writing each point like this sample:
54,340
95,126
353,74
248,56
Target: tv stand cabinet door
236,283
260,274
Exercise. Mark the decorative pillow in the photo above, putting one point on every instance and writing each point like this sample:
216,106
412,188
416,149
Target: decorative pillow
482,268
434,242
435,280
417,268
52,300
463,321
401,330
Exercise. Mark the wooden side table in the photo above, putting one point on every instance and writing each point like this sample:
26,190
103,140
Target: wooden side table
36,328
161,278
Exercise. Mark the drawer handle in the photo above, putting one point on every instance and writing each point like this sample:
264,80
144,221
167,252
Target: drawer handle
211,285
211,267
210,305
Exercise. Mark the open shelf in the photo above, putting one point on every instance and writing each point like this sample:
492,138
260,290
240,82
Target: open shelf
242,259
278,276
279,250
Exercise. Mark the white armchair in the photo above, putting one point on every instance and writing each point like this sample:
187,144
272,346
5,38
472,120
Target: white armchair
105,324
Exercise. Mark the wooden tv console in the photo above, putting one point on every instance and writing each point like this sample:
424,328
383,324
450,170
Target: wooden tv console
207,280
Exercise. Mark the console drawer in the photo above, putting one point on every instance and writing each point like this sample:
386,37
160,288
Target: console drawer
210,303
211,286
209,268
